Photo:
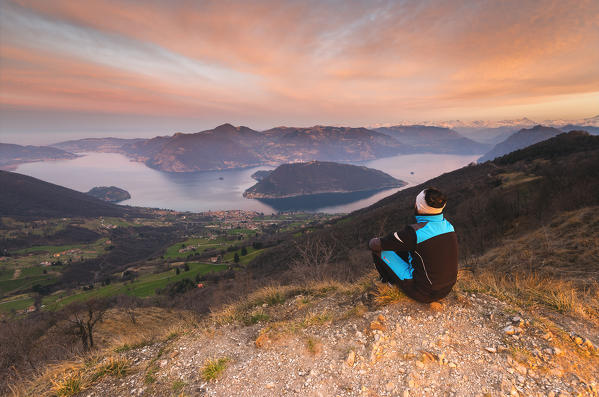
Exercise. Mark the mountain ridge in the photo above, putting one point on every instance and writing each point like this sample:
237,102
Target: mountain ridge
434,139
521,139
12,155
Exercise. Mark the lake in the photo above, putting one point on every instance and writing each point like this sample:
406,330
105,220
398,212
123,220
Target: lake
222,190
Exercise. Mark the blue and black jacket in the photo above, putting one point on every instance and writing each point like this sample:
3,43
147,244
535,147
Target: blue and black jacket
431,247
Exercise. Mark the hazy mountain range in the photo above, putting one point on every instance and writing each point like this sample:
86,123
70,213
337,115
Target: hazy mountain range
230,147
11,155
514,123
422,138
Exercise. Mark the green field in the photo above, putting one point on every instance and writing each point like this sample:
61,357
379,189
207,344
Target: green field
202,244
245,259
23,269
145,285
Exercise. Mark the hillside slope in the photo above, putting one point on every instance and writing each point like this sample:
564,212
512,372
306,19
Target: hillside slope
360,339
519,140
23,195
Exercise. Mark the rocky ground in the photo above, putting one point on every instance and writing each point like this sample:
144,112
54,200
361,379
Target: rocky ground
339,342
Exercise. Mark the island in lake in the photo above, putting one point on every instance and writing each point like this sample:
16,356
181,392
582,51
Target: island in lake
261,174
319,177
112,194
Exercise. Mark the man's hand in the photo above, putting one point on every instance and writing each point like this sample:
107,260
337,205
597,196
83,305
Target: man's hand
375,244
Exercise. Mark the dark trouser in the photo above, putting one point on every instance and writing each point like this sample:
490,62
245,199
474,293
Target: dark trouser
406,285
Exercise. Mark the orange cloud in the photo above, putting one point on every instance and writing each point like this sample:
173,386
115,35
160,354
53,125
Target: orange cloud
343,62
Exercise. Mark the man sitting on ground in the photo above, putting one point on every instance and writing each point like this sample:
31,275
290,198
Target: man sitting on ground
422,259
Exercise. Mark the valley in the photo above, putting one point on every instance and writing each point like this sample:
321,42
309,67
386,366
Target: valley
37,274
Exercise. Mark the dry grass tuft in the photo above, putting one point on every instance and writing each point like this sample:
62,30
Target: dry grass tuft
248,312
113,366
213,368
68,384
276,331
313,345
315,319
534,289
386,294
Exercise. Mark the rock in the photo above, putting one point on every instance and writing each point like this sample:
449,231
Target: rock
270,385
381,318
389,386
557,351
491,349
351,359
511,330
436,306
376,325
452,365
520,368
589,344
558,373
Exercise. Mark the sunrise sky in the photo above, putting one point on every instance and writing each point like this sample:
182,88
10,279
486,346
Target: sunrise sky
163,66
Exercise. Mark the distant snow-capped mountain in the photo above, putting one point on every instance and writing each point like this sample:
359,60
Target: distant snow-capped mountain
485,124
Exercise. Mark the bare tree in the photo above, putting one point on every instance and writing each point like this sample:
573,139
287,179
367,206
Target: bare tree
128,304
314,256
84,318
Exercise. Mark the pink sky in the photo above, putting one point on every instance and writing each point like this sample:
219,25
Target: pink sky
166,66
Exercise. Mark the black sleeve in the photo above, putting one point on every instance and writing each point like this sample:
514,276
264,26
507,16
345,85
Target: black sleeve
404,240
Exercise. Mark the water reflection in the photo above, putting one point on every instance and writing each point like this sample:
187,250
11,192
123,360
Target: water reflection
316,202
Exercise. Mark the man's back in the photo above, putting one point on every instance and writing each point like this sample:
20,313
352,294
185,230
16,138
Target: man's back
426,264
436,256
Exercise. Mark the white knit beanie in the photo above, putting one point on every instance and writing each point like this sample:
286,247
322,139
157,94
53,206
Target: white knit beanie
425,209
